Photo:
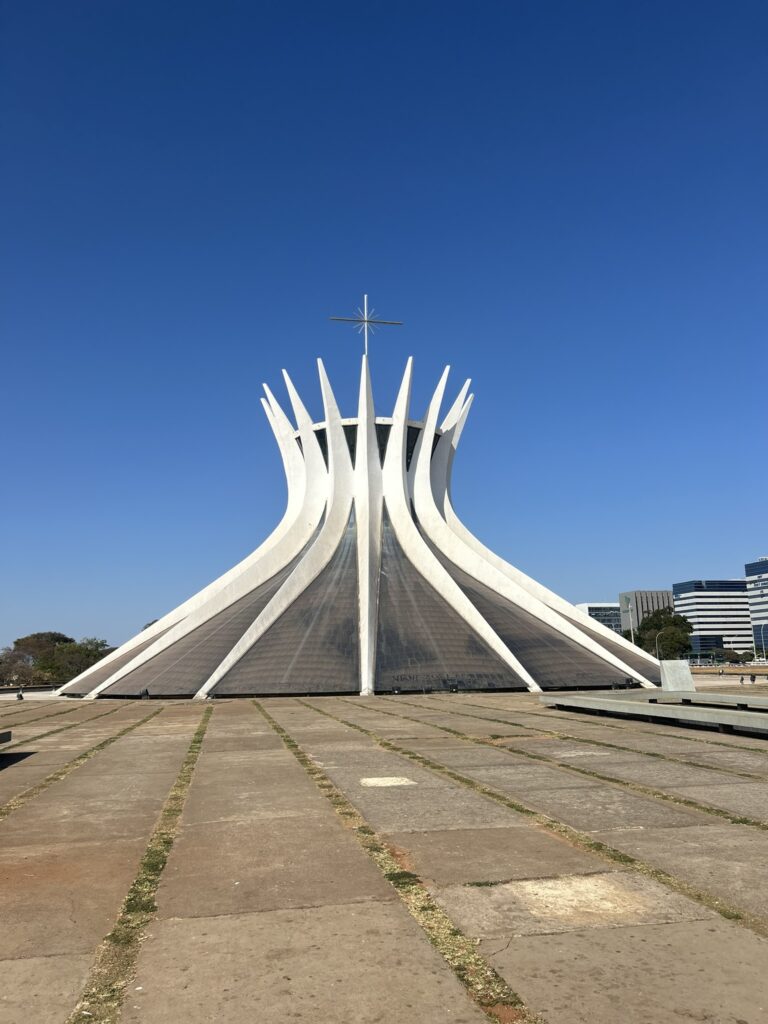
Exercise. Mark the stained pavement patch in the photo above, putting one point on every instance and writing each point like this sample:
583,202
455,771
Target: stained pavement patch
459,856
568,903
728,861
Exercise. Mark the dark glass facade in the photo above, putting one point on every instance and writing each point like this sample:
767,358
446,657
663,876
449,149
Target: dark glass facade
422,643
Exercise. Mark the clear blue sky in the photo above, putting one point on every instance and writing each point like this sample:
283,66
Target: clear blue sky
566,201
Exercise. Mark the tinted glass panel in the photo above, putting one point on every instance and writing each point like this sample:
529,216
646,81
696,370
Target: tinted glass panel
313,646
99,675
422,642
182,669
555,662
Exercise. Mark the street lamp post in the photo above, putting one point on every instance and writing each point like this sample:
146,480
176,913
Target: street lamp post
762,636
631,624
658,657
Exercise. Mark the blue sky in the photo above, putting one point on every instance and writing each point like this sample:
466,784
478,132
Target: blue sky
566,202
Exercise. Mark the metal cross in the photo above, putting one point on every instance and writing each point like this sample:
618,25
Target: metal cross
366,319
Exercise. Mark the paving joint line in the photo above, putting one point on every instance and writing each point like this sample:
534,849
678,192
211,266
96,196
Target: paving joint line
482,983
115,961
18,801
635,787
578,839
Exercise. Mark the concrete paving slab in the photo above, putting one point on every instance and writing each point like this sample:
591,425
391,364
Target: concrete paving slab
236,867
737,760
418,809
656,974
665,775
41,989
140,756
749,799
277,791
458,856
342,740
725,860
443,740
569,903
63,898
463,755
470,726
353,964
86,807
350,779
53,754
517,777
14,781
254,742
578,751
597,808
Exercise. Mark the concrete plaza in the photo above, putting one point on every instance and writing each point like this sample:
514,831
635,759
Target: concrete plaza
606,871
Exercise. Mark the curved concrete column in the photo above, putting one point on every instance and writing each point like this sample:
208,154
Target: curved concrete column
368,499
323,493
321,550
396,499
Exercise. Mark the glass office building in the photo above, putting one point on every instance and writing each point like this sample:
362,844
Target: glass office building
757,596
609,613
718,610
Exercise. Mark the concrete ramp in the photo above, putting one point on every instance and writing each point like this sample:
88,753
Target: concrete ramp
726,712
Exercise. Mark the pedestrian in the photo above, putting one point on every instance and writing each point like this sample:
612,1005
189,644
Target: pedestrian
741,680
20,694
752,678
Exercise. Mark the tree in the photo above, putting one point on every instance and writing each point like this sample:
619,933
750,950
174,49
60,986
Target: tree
69,660
673,632
40,645
52,658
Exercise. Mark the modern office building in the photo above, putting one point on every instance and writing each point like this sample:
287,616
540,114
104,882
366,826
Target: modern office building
637,604
718,610
369,583
757,596
609,613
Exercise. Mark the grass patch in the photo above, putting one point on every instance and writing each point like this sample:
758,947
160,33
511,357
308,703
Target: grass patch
483,984
116,957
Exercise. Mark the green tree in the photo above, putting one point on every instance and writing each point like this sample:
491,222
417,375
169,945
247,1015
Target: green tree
673,632
69,660
50,657
40,645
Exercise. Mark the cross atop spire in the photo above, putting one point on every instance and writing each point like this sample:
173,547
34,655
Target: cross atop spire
366,319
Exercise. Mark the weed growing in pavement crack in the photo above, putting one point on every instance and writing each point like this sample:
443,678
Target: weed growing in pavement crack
116,957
